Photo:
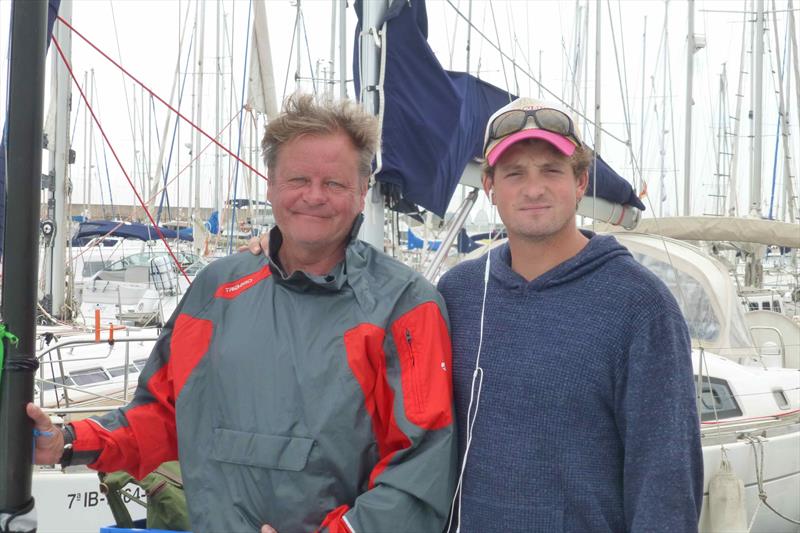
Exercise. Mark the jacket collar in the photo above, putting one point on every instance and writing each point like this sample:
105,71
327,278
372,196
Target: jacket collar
302,281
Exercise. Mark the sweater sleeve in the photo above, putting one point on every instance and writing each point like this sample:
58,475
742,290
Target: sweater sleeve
409,398
657,419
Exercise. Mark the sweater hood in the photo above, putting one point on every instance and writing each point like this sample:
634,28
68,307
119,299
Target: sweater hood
598,251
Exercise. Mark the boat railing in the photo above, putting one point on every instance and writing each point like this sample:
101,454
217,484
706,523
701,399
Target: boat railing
59,360
739,430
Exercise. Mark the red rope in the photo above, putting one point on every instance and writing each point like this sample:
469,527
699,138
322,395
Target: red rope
114,153
146,88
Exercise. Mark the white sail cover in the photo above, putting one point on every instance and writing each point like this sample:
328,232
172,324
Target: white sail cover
260,78
733,229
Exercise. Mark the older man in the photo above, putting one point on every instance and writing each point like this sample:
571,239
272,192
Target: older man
307,389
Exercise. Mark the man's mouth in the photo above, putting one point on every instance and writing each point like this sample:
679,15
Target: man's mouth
311,215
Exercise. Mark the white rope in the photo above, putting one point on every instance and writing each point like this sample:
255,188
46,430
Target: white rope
759,465
474,397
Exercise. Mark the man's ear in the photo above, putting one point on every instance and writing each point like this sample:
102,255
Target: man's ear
583,183
488,185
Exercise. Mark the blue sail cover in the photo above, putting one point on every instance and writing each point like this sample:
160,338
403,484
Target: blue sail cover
52,12
434,120
128,230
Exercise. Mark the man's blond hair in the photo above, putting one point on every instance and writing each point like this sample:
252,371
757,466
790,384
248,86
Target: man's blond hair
303,115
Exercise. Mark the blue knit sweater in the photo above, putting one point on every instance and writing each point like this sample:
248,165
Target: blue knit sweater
587,418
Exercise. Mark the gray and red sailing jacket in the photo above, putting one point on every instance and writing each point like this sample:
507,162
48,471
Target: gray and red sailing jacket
305,402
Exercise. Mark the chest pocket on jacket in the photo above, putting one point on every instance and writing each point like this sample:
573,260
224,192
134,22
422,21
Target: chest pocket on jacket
265,451
423,346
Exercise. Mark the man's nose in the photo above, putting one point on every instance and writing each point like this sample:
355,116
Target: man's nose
315,193
533,186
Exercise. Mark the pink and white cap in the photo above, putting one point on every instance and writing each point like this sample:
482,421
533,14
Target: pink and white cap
495,149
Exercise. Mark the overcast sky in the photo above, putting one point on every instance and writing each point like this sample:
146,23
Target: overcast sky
539,35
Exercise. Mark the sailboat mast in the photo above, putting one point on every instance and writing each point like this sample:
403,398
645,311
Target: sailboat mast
793,50
218,111
342,49
59,165
641,106
298,36
24,165
758,106
687,147
783,118
733,204
663,133
597,78
372,230
201,37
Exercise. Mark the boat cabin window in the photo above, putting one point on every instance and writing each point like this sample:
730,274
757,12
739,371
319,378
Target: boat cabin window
691,296
119,370
61,380
752,306
90,268
780,398
776,306
89,376
716,401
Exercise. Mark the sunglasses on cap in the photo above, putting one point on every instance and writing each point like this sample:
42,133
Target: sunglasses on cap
545,118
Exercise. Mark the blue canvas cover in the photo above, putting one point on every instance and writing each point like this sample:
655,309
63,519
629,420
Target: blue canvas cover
52,12
434,120
128,230
416,243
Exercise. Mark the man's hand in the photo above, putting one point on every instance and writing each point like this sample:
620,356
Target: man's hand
266,528
257,245
50,442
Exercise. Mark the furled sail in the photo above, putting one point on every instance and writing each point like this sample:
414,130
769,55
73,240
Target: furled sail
260,78
433,120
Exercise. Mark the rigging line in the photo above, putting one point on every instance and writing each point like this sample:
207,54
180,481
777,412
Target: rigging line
157,97
674,171
75,126
108,181
241,123
623,88
532,78
514,46
308,52
502,63
99,180
779,70
451,43
175,133
291,51
103,133
131,117
108,173
189,164
636,164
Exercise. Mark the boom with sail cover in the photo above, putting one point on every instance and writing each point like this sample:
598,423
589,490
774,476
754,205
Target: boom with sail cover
433,120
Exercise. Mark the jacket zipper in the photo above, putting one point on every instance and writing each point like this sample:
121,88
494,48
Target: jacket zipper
414,384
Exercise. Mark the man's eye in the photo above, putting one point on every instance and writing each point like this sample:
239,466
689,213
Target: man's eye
298,181
335,185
